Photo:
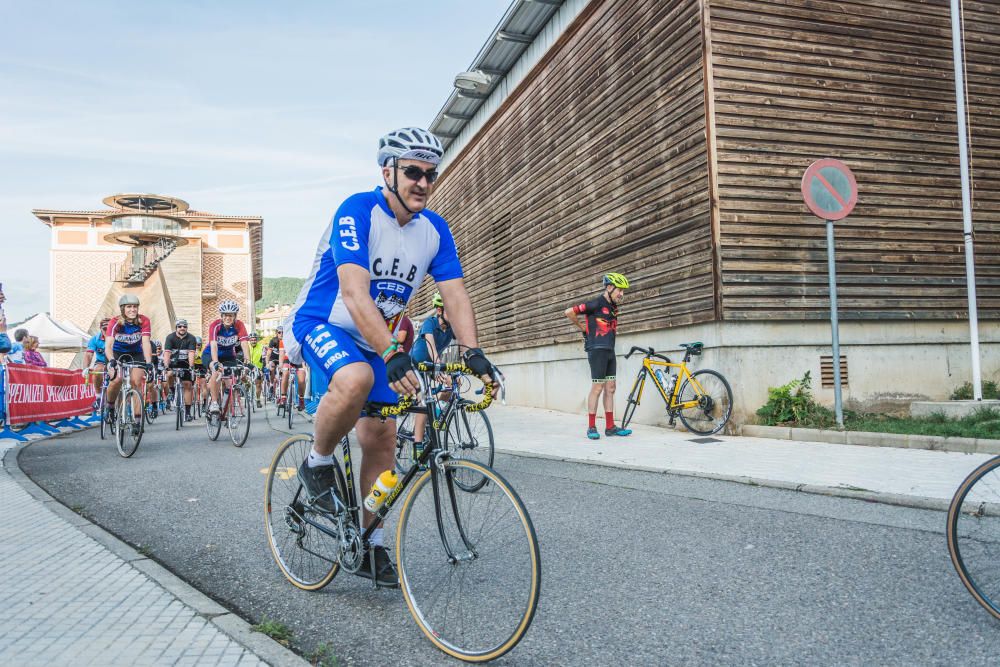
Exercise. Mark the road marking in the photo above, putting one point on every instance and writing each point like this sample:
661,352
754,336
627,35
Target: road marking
282,473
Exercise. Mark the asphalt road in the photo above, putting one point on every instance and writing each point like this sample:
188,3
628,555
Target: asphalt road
637,568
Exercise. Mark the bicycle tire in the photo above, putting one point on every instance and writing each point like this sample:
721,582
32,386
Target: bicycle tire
179,403
103,412
240,413
293,386
404,442
213,423
422,559
973,531
464,441
717,399
294,544
127,439
633,398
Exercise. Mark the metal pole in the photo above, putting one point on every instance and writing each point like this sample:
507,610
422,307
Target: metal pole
963,156
838,398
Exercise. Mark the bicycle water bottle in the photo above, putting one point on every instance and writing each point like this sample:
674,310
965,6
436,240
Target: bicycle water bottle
663,378
385,483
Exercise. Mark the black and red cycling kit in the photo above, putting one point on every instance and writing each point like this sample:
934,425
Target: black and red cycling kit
602,324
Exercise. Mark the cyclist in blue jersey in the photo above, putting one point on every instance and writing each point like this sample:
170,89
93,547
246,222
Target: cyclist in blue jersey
94,359
224,334
371,258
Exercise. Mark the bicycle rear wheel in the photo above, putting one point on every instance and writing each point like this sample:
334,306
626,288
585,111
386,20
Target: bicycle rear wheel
306,556
715,402
103,412
468,435
973,531
179,403
293,394
633,397
238,418
478,605
130,424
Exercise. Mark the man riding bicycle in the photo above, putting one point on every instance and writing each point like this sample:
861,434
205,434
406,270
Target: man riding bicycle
224,334
373,255
599,329
178,357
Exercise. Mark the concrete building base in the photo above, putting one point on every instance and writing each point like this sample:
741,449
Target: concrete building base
952,409
890,364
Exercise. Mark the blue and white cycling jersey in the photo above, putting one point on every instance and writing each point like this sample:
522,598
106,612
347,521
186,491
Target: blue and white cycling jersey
365,232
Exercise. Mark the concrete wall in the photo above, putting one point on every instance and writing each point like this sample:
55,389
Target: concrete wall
889,364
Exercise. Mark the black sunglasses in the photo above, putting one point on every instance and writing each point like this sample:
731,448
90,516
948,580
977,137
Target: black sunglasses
415,173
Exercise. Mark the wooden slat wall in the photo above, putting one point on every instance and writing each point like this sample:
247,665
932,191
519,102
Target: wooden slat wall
869,82
596,163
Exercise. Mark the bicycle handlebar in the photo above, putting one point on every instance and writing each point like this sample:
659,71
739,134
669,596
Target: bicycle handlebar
406,402
647,352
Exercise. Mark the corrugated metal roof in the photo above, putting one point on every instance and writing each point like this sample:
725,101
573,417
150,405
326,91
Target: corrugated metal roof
514,33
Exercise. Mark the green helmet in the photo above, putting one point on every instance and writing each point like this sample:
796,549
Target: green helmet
616,279
437,301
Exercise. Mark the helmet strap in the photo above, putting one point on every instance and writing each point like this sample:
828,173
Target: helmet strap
394,188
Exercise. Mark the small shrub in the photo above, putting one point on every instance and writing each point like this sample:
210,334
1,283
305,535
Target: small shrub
793,403
964,393
276,630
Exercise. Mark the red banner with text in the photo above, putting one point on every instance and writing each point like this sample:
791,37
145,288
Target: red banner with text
37,394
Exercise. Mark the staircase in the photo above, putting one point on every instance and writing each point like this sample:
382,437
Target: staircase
142,262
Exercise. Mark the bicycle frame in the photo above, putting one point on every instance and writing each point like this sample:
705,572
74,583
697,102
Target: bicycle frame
649,364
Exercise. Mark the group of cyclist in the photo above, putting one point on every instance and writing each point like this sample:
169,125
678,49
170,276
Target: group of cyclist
126,339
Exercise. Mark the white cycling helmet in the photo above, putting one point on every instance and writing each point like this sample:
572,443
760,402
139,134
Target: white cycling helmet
229,306
409,143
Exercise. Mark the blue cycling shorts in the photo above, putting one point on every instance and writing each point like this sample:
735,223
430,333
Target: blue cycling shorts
327,349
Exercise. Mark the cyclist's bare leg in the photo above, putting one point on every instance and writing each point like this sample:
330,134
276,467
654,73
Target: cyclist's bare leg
114,387
595,394
138,378
339,409
213,386
609,395
96,378
378,446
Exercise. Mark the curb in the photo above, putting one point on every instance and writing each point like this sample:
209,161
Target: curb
935,443
227,622
915,502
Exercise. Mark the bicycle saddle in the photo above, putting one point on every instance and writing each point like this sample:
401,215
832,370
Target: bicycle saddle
693,348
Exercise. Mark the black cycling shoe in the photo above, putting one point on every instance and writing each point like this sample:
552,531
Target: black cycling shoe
317,482
385,571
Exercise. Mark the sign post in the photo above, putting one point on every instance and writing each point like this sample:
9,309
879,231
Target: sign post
831,193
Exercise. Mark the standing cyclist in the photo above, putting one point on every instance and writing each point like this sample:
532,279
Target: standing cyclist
373,255
224,335
599,328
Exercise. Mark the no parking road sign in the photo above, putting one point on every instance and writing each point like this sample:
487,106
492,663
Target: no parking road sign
829,189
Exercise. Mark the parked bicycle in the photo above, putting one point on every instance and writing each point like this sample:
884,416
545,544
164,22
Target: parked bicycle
465,434
973,531
234,410
703,400
469,563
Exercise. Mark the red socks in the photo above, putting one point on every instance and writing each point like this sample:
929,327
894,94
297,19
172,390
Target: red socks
592,417
609,419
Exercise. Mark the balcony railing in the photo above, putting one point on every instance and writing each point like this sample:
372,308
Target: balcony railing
142,261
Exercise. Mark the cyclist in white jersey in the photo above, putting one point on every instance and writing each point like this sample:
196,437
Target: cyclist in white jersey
372,257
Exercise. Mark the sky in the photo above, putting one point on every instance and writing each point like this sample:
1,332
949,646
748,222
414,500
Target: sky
239,108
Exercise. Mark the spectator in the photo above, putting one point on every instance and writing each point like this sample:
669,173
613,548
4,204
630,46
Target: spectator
404,333
5,343
16,355
31,354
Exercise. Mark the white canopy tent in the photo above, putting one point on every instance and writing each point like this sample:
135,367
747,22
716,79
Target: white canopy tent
52,337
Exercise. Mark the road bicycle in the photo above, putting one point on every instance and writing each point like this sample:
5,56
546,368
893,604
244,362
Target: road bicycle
703,400
180,376
267,386
973,530
291,396
234,409
107,423
129,427
466,435
469,563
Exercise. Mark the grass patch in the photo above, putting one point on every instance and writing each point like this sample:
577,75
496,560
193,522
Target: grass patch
276,630
322,656
964,393
79,509
983,423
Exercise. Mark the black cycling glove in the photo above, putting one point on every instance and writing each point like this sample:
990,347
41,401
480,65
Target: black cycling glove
398,366
477,362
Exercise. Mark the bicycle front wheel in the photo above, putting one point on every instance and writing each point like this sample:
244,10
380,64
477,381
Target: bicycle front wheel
213,424
469,566
130,424
712,401
306,555
179,403
404,442
239,417
103,412
633,397
974,534
468,435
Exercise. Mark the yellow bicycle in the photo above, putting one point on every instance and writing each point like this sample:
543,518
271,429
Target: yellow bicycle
703,399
